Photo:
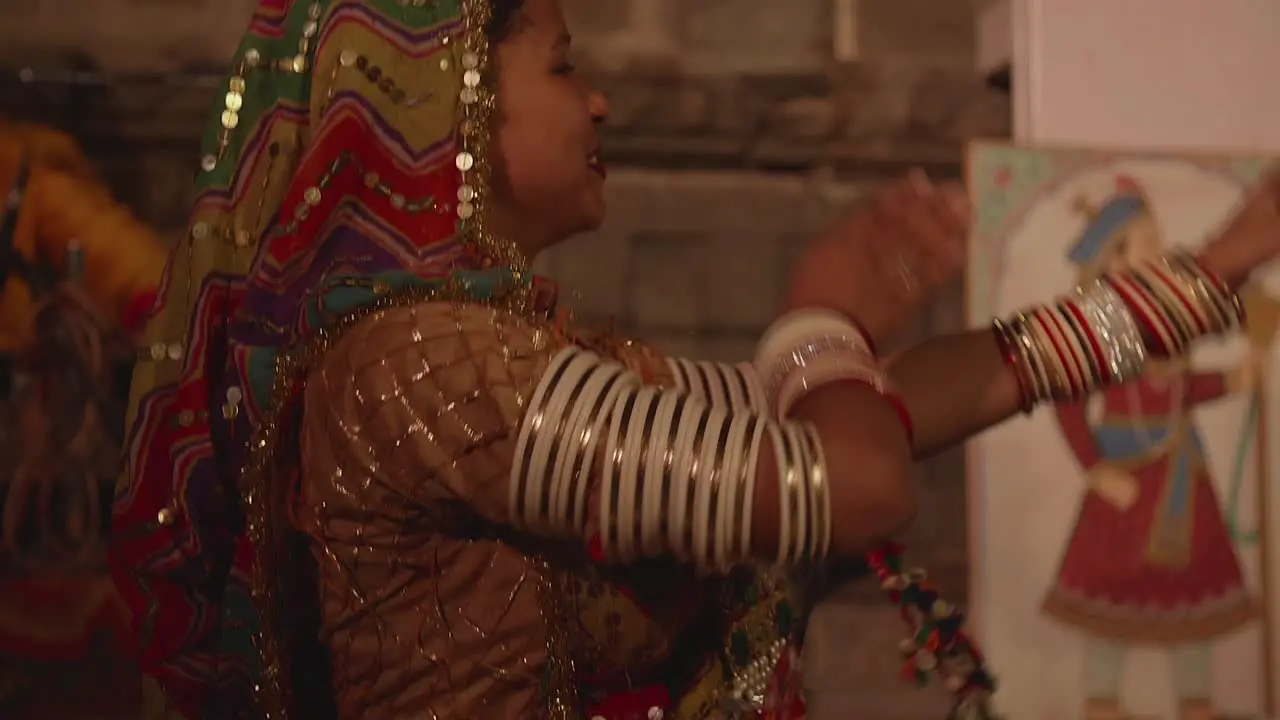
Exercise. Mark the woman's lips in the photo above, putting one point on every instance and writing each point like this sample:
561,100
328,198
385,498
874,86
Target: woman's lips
596,165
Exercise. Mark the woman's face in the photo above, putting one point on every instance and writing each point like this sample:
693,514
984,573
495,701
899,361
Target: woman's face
548,182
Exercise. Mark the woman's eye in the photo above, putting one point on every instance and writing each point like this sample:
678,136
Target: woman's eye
566,68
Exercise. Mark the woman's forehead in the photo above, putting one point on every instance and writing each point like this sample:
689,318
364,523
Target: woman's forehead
543,18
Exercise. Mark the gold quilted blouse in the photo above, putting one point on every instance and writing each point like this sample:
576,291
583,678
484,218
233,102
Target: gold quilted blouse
430,608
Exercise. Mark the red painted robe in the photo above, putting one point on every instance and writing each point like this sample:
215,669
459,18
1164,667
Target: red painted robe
1164,570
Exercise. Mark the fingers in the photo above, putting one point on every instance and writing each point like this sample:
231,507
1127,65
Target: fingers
929,227
1270,181
947,202
1263,200
1270,188
956,200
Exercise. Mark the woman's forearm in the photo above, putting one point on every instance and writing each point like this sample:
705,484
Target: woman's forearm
955,386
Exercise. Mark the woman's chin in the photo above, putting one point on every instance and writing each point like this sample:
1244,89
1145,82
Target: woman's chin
593,217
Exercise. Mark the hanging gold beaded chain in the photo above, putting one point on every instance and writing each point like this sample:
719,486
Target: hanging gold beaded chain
238,238
233,103
478,101
251,61
312,196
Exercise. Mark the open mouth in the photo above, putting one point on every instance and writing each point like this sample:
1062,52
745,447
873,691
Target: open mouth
594,162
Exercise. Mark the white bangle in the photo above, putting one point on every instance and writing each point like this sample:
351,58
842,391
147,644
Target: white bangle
808,348
793,328
654,509
665,471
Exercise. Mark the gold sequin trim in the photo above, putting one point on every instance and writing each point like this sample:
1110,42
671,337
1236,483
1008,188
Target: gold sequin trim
477,99
252,61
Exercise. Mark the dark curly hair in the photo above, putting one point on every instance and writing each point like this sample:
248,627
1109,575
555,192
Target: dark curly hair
503,20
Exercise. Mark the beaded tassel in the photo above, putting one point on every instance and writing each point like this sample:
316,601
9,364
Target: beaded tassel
937,643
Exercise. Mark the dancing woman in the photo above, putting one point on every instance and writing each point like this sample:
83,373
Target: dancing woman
457,505
77,273
61,223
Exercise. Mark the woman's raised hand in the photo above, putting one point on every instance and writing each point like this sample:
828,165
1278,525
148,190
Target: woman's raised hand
1251,238
889,257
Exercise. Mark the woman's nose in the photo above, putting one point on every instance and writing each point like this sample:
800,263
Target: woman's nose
598,104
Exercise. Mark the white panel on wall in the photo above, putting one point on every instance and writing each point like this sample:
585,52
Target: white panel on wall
1148,73
1157,604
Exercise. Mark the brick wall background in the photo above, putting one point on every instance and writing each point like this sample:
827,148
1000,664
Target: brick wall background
736,135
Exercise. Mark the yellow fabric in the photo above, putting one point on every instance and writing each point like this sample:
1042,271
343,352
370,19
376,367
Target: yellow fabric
63,202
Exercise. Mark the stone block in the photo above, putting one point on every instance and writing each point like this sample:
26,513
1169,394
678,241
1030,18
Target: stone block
636,100
884,104
20,10
714,346
989,114
852,666
641,199
790,248
947,488
954,104
921,537
769,204
939,32
728,347
686,344
750,228
745,35
743,281
668,280
592,272
121,36
591,19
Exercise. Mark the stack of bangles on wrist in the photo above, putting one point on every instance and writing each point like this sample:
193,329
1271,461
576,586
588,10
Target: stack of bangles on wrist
1103,334
807,349
811,348
1099,336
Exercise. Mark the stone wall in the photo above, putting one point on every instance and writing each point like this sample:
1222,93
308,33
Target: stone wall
736,136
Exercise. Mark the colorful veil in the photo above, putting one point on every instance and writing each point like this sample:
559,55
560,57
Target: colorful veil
346,159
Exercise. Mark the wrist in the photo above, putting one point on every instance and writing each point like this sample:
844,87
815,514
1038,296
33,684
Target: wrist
808,349
798,302
1217,262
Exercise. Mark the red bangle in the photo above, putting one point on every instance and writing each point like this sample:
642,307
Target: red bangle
1148,325
1010,354
1220,283
904,415
899,407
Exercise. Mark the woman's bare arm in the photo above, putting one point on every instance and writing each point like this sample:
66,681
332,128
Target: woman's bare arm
446,404
958,385
955,386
